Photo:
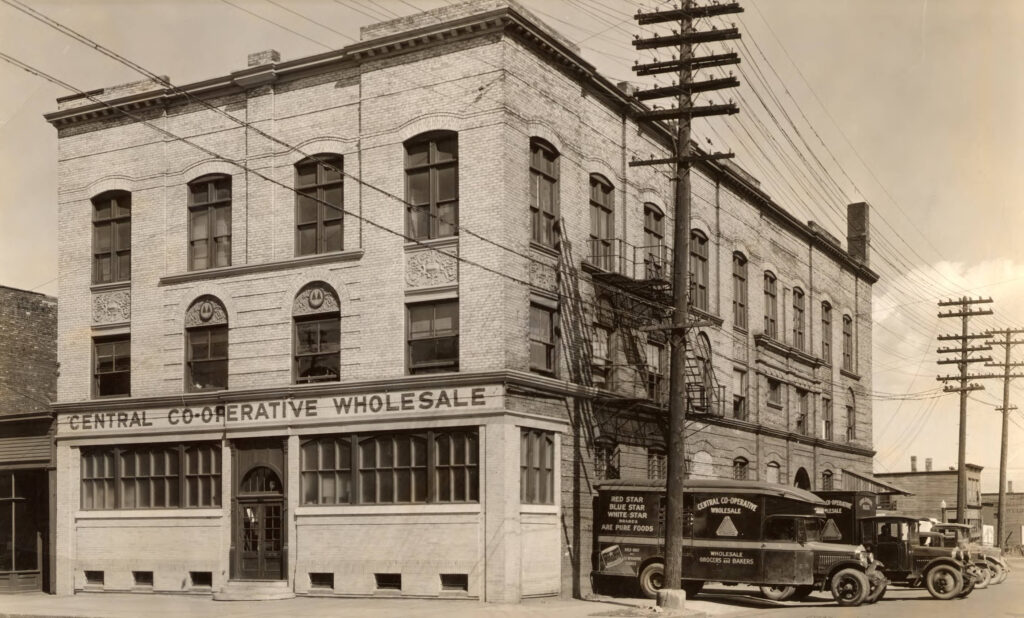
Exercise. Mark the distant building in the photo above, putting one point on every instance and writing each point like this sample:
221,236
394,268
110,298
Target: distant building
28,383
1013,530
934,493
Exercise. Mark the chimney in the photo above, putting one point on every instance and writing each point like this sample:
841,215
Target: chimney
857,238
1009,487
269,56
913,463
928,464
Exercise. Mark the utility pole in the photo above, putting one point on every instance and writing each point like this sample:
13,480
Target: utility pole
963,311
685,38
1007,342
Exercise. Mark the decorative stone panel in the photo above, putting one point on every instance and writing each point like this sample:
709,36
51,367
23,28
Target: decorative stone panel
430,268
543,274
112,307
206,311
317,297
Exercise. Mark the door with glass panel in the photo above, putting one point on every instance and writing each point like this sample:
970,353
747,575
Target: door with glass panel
260,543
23,519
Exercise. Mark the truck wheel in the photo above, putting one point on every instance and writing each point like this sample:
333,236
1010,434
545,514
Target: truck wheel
877,592
850,587
692,588
801,593
984,576
778,593
652,579
943,582
969,585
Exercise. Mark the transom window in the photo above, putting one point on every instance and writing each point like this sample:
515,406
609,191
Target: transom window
209,222
543,322
319,204
112,237
698,270
739,290
112,368
544,193
432,185
826,332
771,321
537,467
433,337
151,476
602,221
798,318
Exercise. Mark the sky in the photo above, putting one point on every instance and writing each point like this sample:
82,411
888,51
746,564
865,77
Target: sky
911,105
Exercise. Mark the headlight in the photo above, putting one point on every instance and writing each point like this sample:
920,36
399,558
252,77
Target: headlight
871,557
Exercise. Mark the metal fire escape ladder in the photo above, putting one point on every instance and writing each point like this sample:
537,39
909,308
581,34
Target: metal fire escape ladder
704,394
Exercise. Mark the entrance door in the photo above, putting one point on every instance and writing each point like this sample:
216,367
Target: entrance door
259,540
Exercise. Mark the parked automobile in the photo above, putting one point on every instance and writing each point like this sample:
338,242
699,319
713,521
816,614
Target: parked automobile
984,557
735,532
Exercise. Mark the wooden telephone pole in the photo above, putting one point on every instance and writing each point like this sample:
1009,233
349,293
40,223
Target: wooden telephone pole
682,113
1007,342
964,312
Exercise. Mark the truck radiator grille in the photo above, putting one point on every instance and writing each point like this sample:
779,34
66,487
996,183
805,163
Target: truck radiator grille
824,562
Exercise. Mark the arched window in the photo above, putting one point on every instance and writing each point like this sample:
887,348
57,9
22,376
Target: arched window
739,290
600,345
602,221
771,310
112,237
851,417
847,343
772,474
657,462
702,467
703,356
261,480
698,270
543,193
739,468
802,479
209,222
826,332
206,345
798,318
826,480
432,185
655,257
317,334
319,204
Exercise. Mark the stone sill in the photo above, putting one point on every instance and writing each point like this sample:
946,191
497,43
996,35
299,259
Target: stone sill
351,510
248,269
849,374
172,513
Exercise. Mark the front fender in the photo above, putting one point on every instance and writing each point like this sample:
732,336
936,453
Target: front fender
849,564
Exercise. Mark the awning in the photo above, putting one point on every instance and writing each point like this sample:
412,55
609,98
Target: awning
853,481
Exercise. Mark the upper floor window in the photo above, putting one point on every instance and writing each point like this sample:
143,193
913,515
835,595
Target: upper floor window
772,474
432,185
739,394
209,222
774,392
851,418
319,204
739,290
657,463
657,385
826,413
740,467
771,315
803,417
847,343
206,345
112,366
606,458
316,356
543,323
602,221
112,237
433,337
826,480
655,258
826,332
798,318
698,270
543,193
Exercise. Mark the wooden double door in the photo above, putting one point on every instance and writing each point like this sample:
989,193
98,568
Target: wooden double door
259,541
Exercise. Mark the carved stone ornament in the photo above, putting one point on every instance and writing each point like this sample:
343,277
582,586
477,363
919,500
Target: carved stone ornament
112,307
427,269
206,311
315,298
543,276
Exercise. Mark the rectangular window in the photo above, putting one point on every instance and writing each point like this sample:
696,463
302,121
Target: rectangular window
94,578
151,476
319,200
321,581
851,424
774,392
112,369
826,333
602,223
803,412
600,360
656,264
317,349
657,386
698,270
543,321
826,412
739,394
432,186
207,358
112,237
739,290
209,228
657,464
544,193
143,579
771,321
455,582
537,467
388,581
439,466
847,343
201,579
798,319
433,337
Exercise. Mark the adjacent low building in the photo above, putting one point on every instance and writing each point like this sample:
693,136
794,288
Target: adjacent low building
933,493
1013,529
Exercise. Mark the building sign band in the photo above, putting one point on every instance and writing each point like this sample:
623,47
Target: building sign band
285,411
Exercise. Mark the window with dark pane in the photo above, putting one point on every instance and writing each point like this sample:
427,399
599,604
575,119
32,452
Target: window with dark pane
202,475
112,237
542,338
112,366
771,320
326,470
319,204
456,466
739,290
826,412
602,222
826,480
433,337
798,318
151,476
207,358
209,216
699,270
740,468
826,333
847,343
22,519
654,251
543,193
317,348
537,467
432,185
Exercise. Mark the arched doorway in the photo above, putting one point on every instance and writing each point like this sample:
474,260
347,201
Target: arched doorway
260,543
802,479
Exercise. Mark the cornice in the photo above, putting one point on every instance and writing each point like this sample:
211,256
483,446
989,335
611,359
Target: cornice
764,341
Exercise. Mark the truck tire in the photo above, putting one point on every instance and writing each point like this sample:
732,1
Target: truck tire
652,579
850,587
877,592
943,582
998,572
692,588
778,593
969,585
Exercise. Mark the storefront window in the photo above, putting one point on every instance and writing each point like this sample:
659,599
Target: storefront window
151,477
22,509
537,467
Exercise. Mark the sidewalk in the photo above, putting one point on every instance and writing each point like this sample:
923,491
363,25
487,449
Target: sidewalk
93,605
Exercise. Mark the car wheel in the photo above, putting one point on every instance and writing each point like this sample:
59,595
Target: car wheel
692,588
778,593
850,587
877,591
983,577
801,593
652,579
943,582
969,586
998,573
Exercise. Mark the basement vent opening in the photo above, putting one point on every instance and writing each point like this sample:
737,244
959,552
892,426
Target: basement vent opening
388,581
455,582
143,578
322,580
201,579
94,578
